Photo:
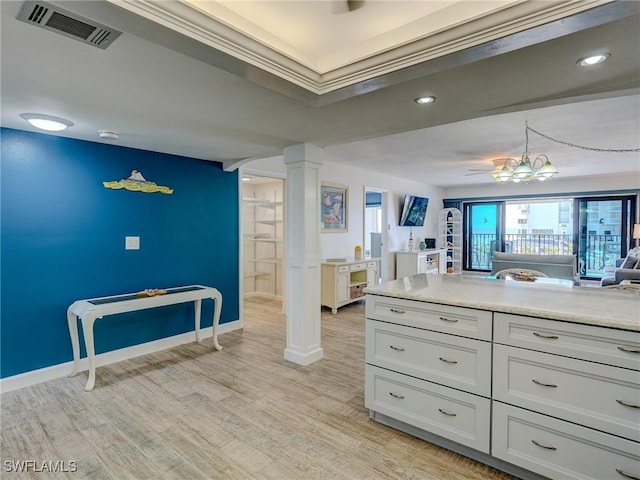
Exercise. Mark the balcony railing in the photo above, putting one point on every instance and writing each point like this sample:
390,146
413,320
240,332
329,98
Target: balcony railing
597,251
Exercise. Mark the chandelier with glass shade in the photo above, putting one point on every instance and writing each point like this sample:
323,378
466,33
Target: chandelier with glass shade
525,170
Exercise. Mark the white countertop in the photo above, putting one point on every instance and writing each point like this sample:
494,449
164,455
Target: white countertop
593,306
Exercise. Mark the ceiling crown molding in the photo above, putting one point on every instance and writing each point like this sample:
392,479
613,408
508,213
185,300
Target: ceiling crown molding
186,19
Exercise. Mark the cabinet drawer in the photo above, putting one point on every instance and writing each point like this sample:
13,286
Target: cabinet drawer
372,264
598,396
561,449
458,416
599,344
358,266
466,322
457,362
343,269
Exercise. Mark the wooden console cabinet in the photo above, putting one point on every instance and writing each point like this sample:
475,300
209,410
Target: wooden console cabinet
344,282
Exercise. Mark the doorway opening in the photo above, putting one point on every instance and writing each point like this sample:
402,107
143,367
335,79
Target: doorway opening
375,231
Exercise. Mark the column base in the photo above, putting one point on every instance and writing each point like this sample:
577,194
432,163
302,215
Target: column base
303,358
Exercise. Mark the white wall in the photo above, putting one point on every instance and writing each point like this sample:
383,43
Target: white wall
342,244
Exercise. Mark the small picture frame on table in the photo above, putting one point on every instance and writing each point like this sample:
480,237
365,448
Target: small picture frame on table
333,207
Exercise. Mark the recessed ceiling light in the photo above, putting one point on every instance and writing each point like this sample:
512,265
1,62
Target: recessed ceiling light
425,100
47,122
593,59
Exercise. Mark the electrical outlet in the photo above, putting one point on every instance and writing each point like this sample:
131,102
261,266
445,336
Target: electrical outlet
132,243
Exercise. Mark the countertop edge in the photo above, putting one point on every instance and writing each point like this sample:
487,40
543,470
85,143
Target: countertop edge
531,312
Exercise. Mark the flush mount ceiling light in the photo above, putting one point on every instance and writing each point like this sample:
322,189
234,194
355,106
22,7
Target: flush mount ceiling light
47,122
108,134
593,59
425,100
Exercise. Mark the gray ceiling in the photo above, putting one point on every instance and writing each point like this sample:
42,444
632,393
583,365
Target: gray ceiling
166,93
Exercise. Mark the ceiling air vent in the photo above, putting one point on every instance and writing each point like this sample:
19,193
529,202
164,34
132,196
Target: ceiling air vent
64,22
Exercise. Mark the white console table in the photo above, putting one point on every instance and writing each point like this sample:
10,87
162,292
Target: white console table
91,309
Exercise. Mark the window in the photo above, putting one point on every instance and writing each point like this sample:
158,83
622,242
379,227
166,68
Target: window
564,213
596,229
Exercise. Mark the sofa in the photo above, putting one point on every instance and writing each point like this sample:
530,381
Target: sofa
554,266
624,269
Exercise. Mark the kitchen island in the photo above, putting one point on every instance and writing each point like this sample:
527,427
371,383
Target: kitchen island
539,380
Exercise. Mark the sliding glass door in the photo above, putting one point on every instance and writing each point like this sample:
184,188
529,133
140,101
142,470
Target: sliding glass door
603,227
596,229
483,234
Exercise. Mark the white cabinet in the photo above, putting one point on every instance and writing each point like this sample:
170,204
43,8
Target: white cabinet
450,413
458,362
344,282
561,450
426,261
464,322
534,397
429,366
567,398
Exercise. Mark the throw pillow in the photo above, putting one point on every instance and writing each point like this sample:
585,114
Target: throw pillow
629,262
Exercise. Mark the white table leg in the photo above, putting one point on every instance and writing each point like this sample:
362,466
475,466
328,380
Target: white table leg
217,308
87,330
197,306
72,320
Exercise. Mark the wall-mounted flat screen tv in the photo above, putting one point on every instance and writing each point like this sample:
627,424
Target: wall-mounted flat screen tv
413,211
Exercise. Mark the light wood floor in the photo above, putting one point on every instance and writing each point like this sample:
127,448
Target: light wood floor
242,413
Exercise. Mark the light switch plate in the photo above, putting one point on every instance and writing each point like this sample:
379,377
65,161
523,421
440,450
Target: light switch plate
132,243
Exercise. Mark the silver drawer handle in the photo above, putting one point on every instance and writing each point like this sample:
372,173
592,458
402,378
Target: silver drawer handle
543,384
447,412
542,445
546,336
446,360
395,310
629,349
399,349
625,474
395,395
452,320
628,404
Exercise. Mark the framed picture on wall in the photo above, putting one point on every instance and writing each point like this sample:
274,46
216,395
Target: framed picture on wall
333,207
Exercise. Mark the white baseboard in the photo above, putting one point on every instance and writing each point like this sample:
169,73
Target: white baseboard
269,296
61,370
301,358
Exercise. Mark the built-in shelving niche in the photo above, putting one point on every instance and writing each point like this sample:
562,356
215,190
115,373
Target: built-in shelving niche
263,233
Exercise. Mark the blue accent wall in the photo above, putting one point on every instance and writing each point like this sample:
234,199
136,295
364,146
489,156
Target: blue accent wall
63,236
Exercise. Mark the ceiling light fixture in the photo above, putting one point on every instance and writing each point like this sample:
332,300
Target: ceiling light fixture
108,134
540,168
425,100
47,122
594,59
525,169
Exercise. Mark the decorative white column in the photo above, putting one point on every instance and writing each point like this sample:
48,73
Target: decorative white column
302,252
